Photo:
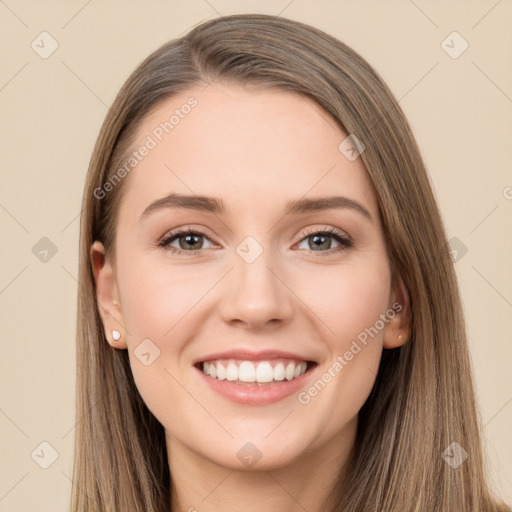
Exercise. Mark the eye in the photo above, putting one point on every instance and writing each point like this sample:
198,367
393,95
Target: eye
187,240
190,242
321,241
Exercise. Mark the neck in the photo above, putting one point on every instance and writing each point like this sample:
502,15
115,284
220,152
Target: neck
201,485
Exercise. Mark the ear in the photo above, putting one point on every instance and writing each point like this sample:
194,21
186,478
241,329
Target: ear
107,296
398,330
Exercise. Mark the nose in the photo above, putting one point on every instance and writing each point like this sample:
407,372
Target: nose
256,295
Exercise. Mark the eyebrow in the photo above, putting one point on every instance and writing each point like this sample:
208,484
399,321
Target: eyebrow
215,205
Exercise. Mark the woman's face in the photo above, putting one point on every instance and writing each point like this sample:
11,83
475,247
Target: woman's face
279,273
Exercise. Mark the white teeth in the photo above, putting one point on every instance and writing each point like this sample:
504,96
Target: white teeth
221,372
247,371
279,371
264,372
289,372
232,372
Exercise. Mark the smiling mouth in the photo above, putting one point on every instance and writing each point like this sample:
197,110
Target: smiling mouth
255,373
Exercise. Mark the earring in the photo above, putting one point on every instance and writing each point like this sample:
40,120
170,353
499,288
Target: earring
116,335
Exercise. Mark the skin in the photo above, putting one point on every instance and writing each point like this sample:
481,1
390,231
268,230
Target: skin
256,150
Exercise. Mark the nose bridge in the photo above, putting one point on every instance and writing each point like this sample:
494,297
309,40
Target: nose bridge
256,295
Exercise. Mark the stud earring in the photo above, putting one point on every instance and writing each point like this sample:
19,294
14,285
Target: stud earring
116,335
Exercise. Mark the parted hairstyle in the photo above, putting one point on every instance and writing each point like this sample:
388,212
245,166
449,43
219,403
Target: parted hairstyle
423,398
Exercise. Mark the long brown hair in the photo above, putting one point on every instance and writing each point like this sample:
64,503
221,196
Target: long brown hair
423,399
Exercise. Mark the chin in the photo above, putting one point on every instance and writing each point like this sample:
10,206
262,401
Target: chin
258,454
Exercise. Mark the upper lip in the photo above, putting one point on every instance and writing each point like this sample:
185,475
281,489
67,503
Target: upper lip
251,355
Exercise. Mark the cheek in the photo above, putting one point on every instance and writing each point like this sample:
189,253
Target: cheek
160,305
158,310
351,305
350,300
157,297
347,298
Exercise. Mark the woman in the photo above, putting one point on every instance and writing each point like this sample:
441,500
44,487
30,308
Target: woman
268,314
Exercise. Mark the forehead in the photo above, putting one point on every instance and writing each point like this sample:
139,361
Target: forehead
256,148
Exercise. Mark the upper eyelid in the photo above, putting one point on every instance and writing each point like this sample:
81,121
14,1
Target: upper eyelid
185,231
329,230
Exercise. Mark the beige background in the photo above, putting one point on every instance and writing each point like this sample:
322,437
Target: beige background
460,110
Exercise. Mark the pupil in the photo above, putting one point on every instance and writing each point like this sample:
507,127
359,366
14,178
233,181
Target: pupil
325,244
189,239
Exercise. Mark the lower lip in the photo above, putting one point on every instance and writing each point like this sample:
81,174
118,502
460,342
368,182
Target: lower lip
254,394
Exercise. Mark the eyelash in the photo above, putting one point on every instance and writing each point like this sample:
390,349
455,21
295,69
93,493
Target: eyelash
345,243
